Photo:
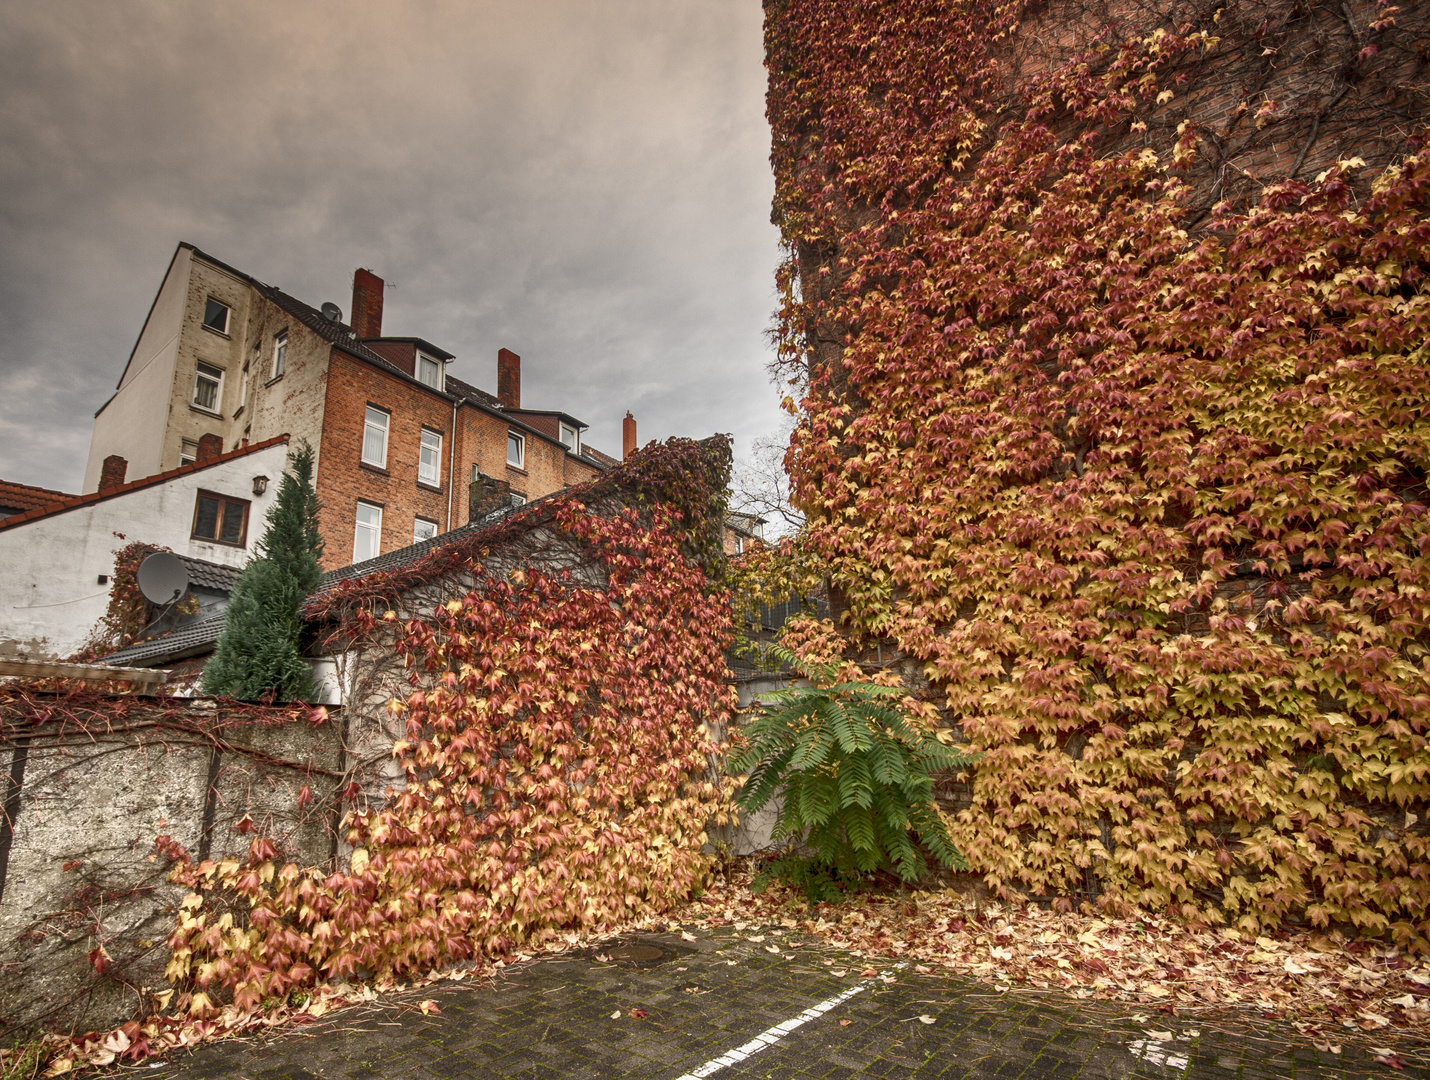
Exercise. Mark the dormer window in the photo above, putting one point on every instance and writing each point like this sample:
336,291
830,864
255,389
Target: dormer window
571,438
216,316
429,372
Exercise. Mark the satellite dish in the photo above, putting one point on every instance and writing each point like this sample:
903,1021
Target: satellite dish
163,577
332,312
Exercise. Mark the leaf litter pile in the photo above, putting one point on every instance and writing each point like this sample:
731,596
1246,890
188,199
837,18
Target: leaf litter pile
1327,986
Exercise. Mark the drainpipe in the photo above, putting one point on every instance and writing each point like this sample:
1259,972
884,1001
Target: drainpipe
452,466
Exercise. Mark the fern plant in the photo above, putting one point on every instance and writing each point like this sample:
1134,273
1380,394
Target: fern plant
855,772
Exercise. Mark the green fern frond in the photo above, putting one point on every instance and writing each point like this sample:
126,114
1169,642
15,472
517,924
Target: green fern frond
857,776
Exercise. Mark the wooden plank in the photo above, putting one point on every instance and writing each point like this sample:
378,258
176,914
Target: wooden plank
39,669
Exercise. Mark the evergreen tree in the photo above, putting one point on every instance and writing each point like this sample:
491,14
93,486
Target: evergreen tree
259,653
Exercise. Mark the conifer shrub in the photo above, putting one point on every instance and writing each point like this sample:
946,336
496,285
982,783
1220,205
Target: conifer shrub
259,654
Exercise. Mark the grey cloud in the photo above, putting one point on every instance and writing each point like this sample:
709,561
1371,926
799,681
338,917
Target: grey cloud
583,181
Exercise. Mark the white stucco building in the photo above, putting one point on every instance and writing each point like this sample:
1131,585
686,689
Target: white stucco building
56,560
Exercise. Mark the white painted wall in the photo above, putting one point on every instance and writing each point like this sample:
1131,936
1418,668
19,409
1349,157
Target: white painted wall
50,598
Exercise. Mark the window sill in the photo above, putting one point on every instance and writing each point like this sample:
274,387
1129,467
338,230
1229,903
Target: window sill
425,486
220,543
220,333
206,412
515,468
373,468
239,411
275,379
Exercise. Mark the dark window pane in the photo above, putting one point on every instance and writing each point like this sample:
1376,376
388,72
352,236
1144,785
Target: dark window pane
232,522
216,315
206,524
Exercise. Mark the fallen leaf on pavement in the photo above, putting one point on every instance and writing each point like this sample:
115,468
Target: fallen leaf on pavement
1312,976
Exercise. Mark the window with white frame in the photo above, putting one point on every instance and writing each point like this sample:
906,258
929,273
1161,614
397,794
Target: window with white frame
280,355
429,372
429,464
422,529
216,315
242,389
208,387
571,438
374,438
518,499
188,452
367,534
516,449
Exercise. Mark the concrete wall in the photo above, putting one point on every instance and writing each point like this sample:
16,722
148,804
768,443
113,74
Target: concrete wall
50,598
82,870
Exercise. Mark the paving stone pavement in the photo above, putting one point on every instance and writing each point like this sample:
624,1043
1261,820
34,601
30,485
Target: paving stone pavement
703,999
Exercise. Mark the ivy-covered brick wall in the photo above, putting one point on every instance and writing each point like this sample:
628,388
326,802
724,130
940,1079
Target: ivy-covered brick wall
1105,326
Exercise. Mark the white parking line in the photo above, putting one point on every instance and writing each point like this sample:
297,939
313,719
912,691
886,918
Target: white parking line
770,1037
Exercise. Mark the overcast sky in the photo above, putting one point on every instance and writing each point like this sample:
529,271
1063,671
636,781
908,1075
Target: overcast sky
585,182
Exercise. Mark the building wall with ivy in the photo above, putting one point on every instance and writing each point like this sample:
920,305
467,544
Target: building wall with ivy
1105,329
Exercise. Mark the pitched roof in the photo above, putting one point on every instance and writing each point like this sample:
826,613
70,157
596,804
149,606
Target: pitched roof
400,568
210,575
199,638
399,557
470,392
422,344
25,497
418,563
73,502
193,640
598,457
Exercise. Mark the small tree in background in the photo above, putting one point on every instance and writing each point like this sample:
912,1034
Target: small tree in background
258,654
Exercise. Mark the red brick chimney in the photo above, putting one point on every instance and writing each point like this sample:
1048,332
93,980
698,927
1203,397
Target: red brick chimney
628,436
210,447
111,473
367,304
508,379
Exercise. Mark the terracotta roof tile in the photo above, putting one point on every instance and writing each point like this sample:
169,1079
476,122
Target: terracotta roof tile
26,497
70,502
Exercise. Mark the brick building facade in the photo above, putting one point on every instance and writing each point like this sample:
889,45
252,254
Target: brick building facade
225,358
